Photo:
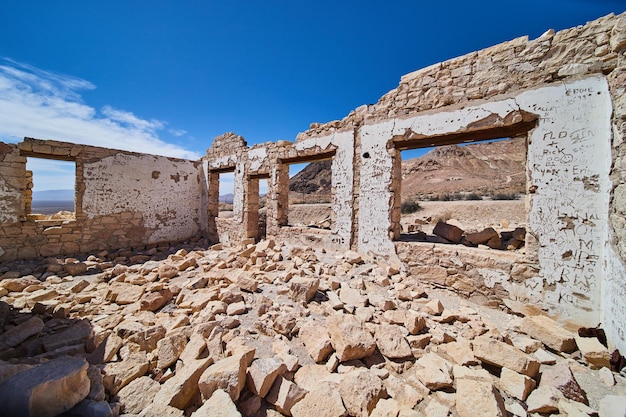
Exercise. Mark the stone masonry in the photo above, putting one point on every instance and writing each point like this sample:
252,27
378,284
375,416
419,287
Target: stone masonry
564,92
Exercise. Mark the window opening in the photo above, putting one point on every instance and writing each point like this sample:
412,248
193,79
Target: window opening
51,190
311,194
476,189
226,194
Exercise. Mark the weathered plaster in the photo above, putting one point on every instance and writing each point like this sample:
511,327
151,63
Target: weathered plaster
165,191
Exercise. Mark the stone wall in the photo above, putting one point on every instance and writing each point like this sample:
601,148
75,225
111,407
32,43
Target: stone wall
123,200
564,92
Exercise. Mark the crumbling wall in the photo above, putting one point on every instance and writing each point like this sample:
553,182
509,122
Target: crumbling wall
123,200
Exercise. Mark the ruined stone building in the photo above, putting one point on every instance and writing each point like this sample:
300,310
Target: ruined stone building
564,92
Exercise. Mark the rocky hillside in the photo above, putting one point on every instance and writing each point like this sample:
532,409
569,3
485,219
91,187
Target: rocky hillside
482,168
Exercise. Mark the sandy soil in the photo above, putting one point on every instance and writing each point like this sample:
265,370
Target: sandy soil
469,215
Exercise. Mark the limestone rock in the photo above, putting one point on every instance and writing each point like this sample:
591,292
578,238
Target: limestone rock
500,354
75,268
544,399
123,293
262,373
606,376
391,342
414,323
323,400
167,271
481,237
120,374
46,390
406,394
549,332
352,296
302,289
612,405
138,394
219,405
478,398
349,338
433,307
156,299
575,409
284,394
386,408
316,340
228,374
448,231
180,390
594,352
361,390
169,350
516,385
20,333
560,377
19,284
433,371
459,352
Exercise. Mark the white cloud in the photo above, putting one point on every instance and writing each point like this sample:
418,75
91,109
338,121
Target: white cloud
177,132
45,105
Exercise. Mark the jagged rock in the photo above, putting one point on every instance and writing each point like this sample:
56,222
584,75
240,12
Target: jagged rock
516,385
406,394
75,268
106,350
180,390
606,376
156,299
262,373
575,409
322,400
228,374
414,323
612,405
351,296
478,397
167,271
302,289
79,286
122,293
135,396
448,232
169,350
361,390
46,390
316,340
560,377
90,408
459,352
549,332
236,309
391,342
500,354
348,337
433,307
219,405
481,237
386,408
79,332
594,352
433,371
120,374
284,394
96,386
20,333
544,399
148,338
19,284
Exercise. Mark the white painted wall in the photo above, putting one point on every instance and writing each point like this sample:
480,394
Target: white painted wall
568,160
125,183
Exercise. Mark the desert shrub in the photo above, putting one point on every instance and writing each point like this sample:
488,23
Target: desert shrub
505,196
410,206
443,217
473,197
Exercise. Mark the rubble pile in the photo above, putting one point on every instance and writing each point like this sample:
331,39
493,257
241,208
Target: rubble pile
270,330
489,237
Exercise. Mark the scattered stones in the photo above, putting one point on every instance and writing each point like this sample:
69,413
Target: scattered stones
198,343
594,352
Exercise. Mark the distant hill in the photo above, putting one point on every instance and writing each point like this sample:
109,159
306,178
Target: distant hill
54,195
481,168
226,198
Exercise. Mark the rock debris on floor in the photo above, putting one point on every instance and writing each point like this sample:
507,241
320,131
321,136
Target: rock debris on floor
271,330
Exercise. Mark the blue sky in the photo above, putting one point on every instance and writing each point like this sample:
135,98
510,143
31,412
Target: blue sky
167,77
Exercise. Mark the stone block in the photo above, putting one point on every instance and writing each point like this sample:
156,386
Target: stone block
361,390
228,374
516,385
262,373
348,337
391,342
448,231
46,390
284,394
316,340
594,352
549,332
500,354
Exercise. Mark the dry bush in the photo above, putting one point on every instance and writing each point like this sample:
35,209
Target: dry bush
443,217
